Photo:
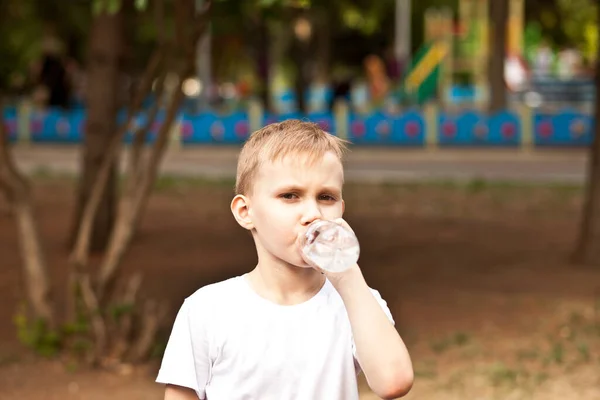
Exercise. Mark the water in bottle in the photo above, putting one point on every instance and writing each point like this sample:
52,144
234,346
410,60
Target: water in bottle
330,246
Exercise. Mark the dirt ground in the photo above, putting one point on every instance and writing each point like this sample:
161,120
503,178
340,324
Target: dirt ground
477,277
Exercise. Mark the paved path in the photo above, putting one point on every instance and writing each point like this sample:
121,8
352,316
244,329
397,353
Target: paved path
363,164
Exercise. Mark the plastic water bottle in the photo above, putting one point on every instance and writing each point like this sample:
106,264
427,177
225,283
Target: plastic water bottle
330,246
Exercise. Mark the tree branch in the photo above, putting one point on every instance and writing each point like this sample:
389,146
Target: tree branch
81,248
18,192
159,16
140,136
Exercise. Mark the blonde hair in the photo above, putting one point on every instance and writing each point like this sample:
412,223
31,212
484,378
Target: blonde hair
280,139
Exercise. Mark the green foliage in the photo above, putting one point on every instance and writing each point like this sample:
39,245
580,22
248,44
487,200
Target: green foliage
557,353
108,6
532,37
81,346
457,339
355,18
501,375
80,326
113,6
579,23
266,3
98,6
584,352
118,310
22,30
73,337
37,336
141,4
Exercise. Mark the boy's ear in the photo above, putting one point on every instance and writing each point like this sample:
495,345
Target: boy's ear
343,207
241,211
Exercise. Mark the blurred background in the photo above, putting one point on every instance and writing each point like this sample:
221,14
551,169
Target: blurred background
473,179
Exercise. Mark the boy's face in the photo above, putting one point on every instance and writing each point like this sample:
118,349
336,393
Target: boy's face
287,195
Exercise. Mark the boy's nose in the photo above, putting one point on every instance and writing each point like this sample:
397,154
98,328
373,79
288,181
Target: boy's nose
311,213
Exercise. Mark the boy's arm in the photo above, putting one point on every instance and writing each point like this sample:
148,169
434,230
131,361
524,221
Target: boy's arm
173,392
381,353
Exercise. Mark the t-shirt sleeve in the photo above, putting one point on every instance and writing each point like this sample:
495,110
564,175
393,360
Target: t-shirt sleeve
186,360
388,314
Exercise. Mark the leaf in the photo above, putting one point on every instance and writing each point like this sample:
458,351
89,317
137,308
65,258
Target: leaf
98,7
302,3
141,5
266,3
113,6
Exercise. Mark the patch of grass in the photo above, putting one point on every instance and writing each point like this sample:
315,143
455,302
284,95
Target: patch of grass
43,173
528,354
584,352
476,185
461,338
426,369
458,339
557,353
502,375
540,377
440,346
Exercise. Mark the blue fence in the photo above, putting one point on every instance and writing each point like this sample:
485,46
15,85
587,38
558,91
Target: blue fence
411,128
475,129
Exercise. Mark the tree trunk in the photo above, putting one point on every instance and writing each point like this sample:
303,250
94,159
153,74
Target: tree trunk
588,246
81,247
323,46
37,282
300,57
18,193
134,200
498,16
263,62
106,41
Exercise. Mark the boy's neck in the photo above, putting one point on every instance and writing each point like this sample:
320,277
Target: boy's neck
285,284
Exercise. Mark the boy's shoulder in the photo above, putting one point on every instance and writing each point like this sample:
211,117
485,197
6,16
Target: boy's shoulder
213,293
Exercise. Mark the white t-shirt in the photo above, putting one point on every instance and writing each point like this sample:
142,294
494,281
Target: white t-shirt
228,343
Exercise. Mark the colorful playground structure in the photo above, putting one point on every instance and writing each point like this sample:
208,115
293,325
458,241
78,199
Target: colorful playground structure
459,49
450,67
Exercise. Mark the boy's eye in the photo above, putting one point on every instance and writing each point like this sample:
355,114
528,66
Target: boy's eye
288,196
327,197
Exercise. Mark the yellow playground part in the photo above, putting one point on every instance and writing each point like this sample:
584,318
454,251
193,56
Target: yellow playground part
426,66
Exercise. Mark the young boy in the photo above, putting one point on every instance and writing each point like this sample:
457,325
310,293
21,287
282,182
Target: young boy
285,330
